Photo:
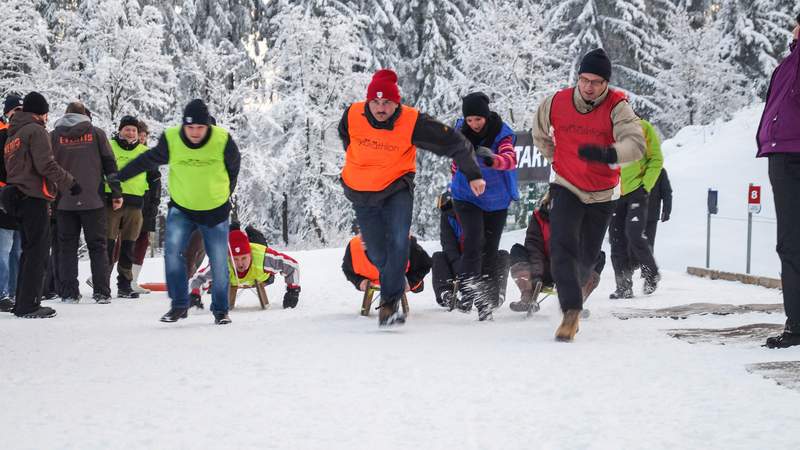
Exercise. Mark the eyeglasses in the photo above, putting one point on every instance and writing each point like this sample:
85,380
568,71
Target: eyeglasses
594,83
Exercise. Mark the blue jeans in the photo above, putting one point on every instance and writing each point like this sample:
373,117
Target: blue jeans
385,231
215,239
9,261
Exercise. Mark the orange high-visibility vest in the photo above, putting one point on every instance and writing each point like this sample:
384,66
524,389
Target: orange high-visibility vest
375,157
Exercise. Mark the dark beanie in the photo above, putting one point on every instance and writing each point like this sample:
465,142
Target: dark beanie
35,103
475,104
12,101
196,113
128,121
596,62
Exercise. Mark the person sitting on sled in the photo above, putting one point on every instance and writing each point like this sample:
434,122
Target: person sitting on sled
530,263
254,265
445,262
362,273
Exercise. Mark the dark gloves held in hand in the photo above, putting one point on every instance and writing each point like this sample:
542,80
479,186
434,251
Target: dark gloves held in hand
291,297
591,152
664,216
75,189
486,154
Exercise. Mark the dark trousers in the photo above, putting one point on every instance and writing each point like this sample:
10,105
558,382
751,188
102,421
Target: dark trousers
34,226
784,175
140,250
385,228
482,232
577,232
52,284
443,276
629,244
650,231
93,224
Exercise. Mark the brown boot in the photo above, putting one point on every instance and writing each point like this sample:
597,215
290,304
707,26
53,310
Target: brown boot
590,286
569,325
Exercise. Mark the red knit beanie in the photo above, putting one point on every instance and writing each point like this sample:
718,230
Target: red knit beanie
384,85
239,243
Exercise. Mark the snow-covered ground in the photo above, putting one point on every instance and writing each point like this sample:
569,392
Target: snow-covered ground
321,376
722,157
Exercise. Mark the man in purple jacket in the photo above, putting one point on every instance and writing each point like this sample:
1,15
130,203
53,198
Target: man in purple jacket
779,138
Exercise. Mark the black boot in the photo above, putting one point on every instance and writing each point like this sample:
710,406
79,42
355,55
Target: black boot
124,289
390,314
789,338
651,279
6,304
175,314
221,318
624,285
42,312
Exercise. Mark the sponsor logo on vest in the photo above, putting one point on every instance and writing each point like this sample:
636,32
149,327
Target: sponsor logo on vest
85,139
581,130
194,163
12,146
378,145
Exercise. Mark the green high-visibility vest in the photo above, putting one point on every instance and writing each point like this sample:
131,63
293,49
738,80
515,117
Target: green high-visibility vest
137,185
256,271
198,178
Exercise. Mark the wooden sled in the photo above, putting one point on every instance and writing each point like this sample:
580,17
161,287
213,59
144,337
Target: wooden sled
158,287
369,298
261,292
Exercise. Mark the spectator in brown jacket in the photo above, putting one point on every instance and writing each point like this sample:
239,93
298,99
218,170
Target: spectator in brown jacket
34,177
83,150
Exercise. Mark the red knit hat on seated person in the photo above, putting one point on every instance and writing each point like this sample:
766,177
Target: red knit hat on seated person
384,85
239,243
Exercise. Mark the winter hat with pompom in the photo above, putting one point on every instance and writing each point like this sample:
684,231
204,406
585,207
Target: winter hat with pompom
240,245
384,85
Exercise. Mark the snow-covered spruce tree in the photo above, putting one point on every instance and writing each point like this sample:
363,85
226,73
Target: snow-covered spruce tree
507,56
110,57
23,49
700,85
754,34
316,68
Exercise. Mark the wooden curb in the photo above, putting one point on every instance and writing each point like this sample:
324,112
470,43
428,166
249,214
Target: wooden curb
769,283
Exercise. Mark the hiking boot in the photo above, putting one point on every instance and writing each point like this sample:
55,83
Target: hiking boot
525,303
71,299
221,318
651,279
175,314
624,285
101,299
448,299
569,325
390,314
785,340
195,301
42,312
621,294
50,296
126,293
6,304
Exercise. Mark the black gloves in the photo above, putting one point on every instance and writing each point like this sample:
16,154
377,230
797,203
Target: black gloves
664,216
291,297
75,189
194,301
486,154
596,153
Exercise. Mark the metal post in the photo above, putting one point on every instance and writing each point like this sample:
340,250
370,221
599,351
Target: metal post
749,238
708,241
